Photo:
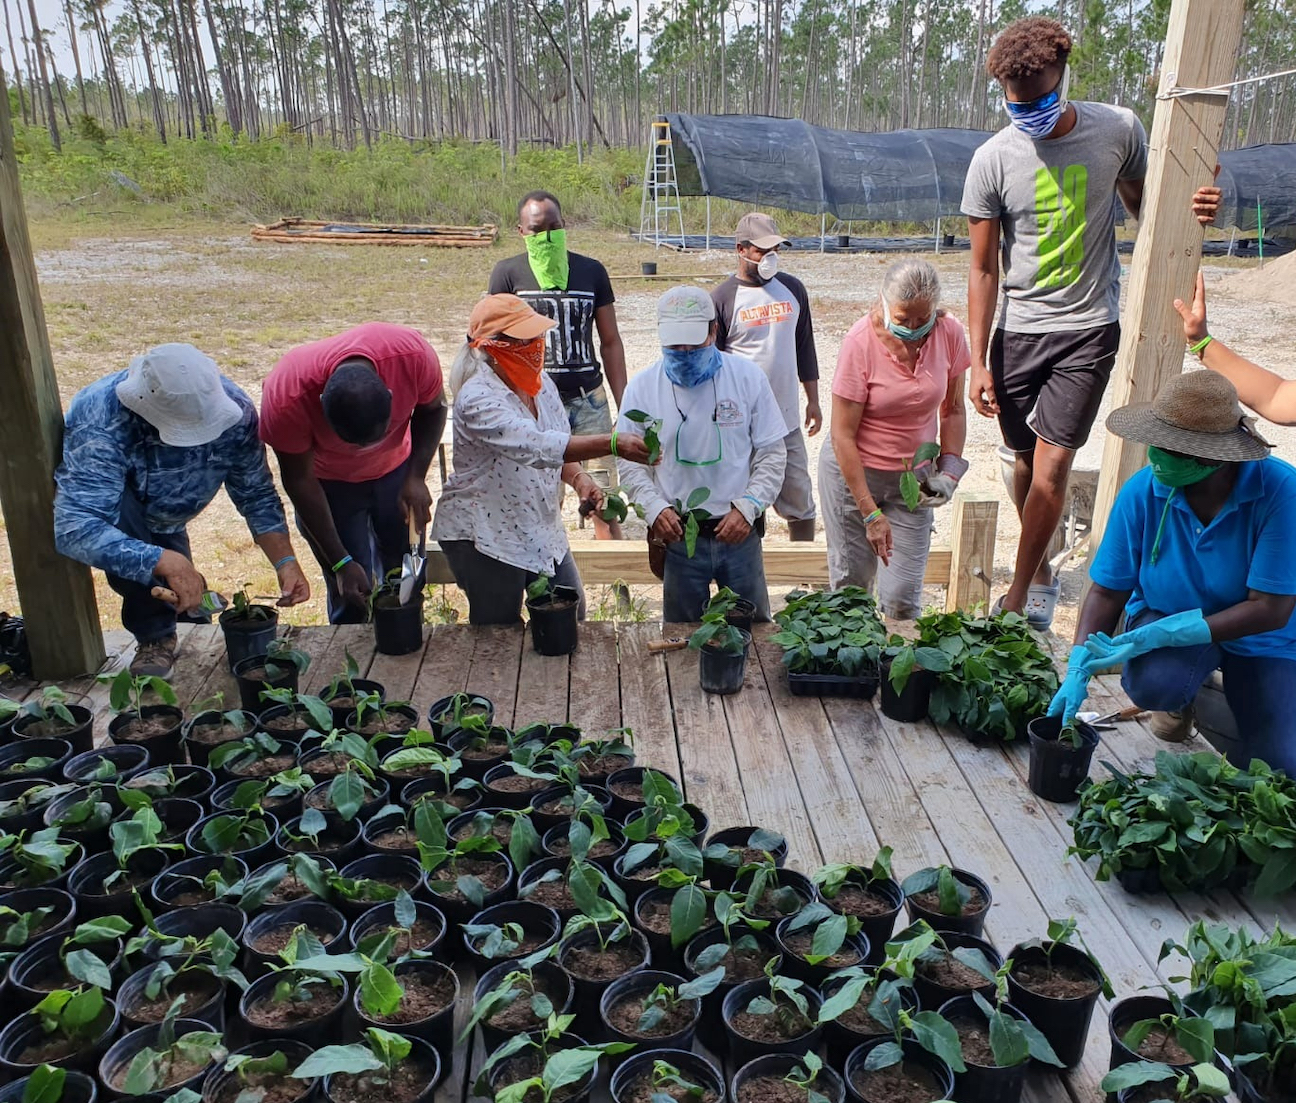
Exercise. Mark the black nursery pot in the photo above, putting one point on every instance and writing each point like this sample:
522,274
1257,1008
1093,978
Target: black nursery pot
720,875
393,869
164,747
986,1083
588,989
721,672
33,817
339,842
13,876
60,919
127,760
701,822
634,987
535,871
1065,1023
183,780
664,954
540,925
296,1052
693,1067
246,638
94,839
384,915
24,1031
742,614
376,796
198,750
436,1029
972,923
77,1088
398,629
743,1049
120,1054
879,927
436,723
910,705
250,688
776,1066
556,843
1124,1014
185,877
460,910
1056,767
358,687
507,797
132,994
14,757
197,922
377,826
477,765
253,856
802,888
327,1024
932,995
711,1029
554,620
80,737
550,979
797,966
915,1057
94,901
554,806
631,776
421,1054
39,969
178,815
840,1038
325,921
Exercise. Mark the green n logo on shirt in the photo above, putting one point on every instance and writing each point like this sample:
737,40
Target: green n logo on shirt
1060,208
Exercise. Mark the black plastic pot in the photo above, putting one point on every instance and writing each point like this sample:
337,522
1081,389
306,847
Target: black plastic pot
1124,1014
296,1052
347,693
86,882
309,1030
185,781
422,1054
384,915
545,975
394,869
799,883
910,705
339,842
199,750
862,686
166,746
60,919
932,995
25,1030
1065,1023
442,706
377,826
965,924
876,928
665,955
197,922
622,805
128,760
721,671
554,618
635,986
39,969
986,1083
132,993
459,910
284,808
276,899
701,822
250,688
1056,767
711,1028
16,759
376,797
540,925
398,629
39,792
556,843
776,1066
693,1067
797,966
914,1055
178,815
246,638
77,1088
555,806
840,1038
186,877
324,921
303,724
476,765
80,737
512,798
122,1052
436,1029
588,989
720,875
742,614
253,856
535,871
743,1049
93,838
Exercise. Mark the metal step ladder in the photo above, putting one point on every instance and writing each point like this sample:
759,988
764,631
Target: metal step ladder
661,198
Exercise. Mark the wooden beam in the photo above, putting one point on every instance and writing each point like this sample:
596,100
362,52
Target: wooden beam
56,595
1201,52
976,518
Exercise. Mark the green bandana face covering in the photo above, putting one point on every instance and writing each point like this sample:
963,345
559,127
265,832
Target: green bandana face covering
547,255
1178,471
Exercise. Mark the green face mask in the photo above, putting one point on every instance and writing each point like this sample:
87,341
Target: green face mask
547,255
1178,471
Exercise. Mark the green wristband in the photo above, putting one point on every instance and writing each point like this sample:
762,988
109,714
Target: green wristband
341,563
872,516
614,437
1200,346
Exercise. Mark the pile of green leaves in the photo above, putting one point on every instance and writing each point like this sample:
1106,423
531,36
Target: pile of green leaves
838,633
998,677
1198,820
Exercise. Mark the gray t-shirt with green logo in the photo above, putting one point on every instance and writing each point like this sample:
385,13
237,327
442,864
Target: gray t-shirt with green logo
1056,202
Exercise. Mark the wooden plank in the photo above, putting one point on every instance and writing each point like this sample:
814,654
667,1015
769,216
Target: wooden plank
594,697
646,700
56,594
1202,40
497,652
202,646
542,686
447,655
972,552
397,673
468,1056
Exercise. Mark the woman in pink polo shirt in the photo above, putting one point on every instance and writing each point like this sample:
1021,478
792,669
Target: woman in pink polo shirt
899,385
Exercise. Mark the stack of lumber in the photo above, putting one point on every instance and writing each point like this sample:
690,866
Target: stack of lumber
289,230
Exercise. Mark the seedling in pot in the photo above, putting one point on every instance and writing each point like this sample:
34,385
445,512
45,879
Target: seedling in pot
885,995
514,825
718,634
244,608
785,1005
234,832
344,747
127,692
1014,1041
276,789
17,929
761,843
341,686
384,942
254,1072
417,755
321,716
561,1069
74,1015
239,754
930,1029
447,860
910,485
1193,1034
831,879
171,1059
282,658
380,1055
349,790
805,1076
143,831
1060,933
939,883
40,856
83,965
918,946
216,945
465,712
658,1005
669,1085
763,895
216,954
908,657
829,931
51,712
37,795
28,766
45,1085
736,927
495,940
89,814
372,712
516,985
1201,1082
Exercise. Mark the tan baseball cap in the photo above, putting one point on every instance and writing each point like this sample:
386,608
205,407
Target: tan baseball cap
760,230
684,316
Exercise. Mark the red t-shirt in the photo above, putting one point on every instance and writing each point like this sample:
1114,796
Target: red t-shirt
292,417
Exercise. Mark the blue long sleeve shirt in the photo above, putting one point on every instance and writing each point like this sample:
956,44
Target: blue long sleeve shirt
108,450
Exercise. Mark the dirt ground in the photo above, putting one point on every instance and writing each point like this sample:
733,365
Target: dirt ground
111,291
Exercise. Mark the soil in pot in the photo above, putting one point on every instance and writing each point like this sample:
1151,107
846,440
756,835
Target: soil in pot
595,963
58,1047
212,733
768,1089
641,1090
140,729
423,934
946,971
930,902
288,723
270,1014
624,1017
412,1079
395,722
266,1087
517,1017
771,1029
906,1082
528,1065
801,943
1058,981
654,917
558,845
861,902
195,986
424,996
271,942
292,887
493,875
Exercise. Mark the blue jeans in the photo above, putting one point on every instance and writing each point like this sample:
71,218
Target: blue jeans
370,524
1261,691
494,589
686,583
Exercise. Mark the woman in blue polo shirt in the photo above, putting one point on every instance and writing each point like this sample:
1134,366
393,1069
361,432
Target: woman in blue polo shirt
1198,552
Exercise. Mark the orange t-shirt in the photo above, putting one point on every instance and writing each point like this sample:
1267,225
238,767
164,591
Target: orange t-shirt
900,405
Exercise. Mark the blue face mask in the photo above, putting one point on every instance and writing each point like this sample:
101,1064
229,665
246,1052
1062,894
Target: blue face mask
691,367
1038,118
904,333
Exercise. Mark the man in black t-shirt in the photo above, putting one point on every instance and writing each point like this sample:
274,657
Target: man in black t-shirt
574,291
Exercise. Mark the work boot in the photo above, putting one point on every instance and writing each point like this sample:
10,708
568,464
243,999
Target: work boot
1173,727
155,659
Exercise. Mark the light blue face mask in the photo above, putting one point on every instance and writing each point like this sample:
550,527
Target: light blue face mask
691,367
1038,118
904,333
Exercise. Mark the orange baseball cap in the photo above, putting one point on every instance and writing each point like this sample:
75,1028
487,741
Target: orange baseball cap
508,314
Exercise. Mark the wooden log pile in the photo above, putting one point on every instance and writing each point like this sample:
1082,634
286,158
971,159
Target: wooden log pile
316,232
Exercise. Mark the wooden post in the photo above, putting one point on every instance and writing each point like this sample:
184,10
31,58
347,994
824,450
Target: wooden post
56,594
972,551
1201,52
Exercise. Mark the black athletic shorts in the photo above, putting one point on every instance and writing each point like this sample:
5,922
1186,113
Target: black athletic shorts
1050,385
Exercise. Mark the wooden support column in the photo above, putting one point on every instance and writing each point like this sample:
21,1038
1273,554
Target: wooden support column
972,551
1201,52
56,595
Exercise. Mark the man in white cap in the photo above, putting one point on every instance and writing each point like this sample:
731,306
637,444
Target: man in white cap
722,458
144,451
763,314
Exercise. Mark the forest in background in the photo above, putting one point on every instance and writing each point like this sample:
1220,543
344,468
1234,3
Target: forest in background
271,92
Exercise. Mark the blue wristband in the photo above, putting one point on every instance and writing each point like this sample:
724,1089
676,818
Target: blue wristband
285,559
341,563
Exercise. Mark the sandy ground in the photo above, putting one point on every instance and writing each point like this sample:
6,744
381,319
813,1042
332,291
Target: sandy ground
109,293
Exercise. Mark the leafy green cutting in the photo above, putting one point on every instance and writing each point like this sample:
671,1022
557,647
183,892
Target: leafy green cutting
1201,1082
691,515
910,487
650,429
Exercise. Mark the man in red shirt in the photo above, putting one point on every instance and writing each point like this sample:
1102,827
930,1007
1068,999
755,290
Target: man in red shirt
355,421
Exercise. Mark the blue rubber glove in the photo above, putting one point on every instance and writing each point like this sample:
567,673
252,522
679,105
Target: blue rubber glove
1075,686
1186,629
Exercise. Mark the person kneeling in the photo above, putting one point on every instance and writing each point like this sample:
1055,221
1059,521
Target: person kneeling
1197,552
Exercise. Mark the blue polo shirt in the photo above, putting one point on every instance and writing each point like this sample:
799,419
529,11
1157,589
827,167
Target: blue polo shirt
1250,545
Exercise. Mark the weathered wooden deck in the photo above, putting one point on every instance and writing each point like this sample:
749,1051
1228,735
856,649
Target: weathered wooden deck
834,776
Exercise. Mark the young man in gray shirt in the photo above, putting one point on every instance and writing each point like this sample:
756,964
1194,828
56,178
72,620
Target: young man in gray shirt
1042,194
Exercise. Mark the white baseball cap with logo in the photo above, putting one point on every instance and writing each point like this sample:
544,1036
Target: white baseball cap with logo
684,316
178,390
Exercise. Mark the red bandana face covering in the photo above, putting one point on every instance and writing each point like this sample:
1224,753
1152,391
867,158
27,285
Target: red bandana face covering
519,365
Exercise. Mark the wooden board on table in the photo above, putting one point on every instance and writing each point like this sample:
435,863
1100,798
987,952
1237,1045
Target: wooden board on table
542,688
646,700
496,657
397,673
594,692
326,659
447,657
466,1058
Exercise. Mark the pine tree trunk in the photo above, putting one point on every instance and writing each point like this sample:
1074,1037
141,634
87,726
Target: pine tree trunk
38,38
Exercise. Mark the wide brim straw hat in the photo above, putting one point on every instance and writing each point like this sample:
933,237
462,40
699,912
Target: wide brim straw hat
1195,414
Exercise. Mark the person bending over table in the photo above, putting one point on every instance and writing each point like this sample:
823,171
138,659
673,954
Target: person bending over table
1197,552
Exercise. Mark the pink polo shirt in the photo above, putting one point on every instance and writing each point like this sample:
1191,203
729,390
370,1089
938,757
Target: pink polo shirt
900,406
292,417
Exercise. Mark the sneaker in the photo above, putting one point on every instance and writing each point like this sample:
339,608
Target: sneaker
1173,727
155,659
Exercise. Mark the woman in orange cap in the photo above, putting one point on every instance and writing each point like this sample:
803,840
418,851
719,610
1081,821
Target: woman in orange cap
499,520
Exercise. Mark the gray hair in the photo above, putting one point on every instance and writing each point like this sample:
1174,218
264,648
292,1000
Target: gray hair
911,280
466,364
